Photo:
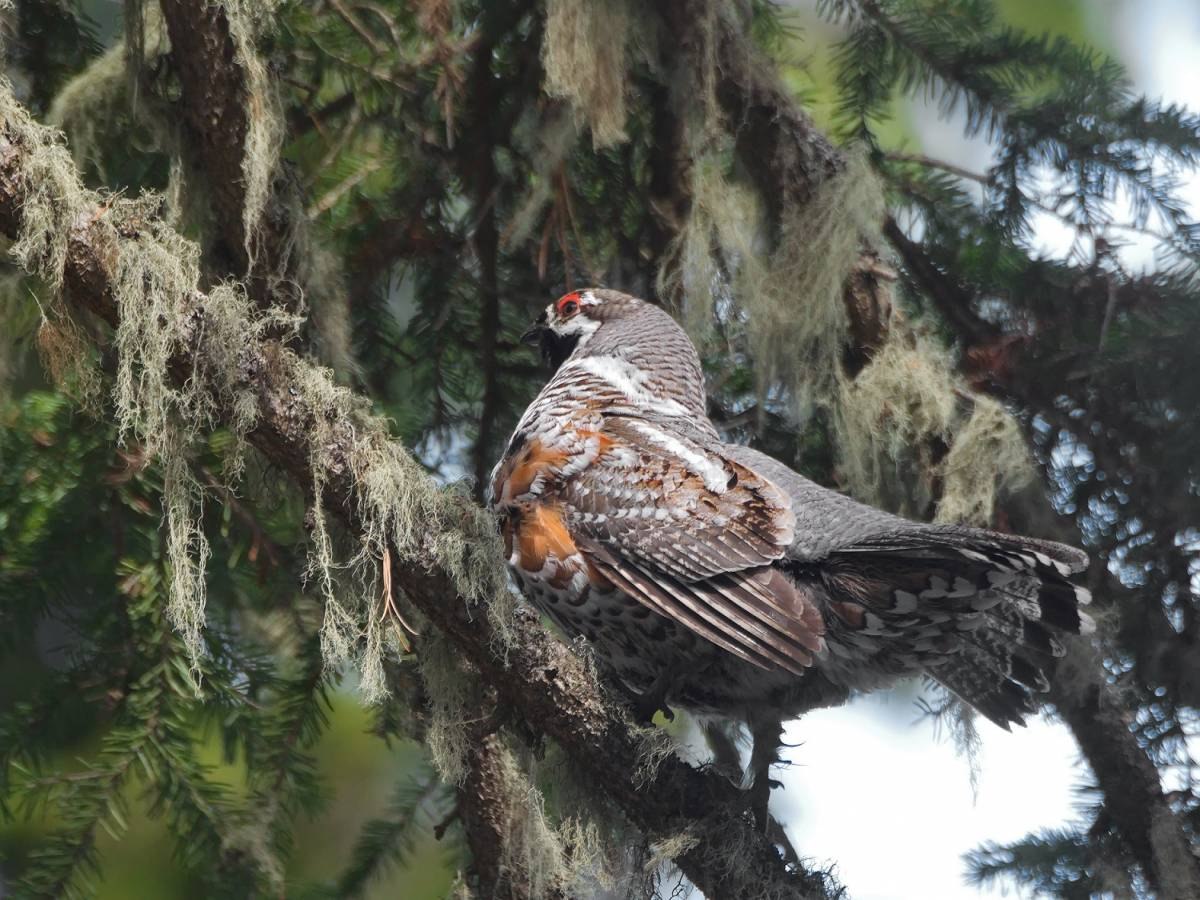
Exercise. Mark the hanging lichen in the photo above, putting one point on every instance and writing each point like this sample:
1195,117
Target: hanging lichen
586,53
154,278
903,399
298,259
583,851
448,685
533,853
328,302
988,459
53,197
264,112
399,510
906,430
722,230
153,283
797,320
101,105
89,102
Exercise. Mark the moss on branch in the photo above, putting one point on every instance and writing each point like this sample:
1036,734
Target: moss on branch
199,359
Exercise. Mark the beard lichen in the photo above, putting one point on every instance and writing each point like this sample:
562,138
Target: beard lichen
264,112
399,511
533,852
988,459
53,198
326,298
560,835
68,356
154,276
153,284
88,102
604,853
721,234
884,417
586,53
102,105
796,320
581,849
667,849
53,203
449,687
903,425
904,405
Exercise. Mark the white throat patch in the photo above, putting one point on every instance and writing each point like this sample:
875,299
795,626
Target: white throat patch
582,326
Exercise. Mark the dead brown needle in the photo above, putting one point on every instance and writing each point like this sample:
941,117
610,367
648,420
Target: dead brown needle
389,607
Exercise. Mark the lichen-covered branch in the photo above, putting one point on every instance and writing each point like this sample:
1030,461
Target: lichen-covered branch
234,131
790,159
443,551
484,811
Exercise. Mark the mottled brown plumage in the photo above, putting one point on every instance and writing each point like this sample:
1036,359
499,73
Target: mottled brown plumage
712,576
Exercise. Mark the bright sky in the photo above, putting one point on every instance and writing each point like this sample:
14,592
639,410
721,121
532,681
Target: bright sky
892,806
870,788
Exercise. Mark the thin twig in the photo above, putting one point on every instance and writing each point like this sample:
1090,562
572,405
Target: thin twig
348,17
334,194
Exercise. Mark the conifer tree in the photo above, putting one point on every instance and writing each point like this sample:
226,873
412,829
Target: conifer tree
265,267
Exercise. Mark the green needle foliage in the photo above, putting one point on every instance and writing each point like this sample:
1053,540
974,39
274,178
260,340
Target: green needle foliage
179,626
385,841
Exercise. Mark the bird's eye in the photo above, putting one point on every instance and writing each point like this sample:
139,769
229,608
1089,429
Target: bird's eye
567,305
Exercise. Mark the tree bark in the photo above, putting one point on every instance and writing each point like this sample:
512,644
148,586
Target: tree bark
487,819
216,100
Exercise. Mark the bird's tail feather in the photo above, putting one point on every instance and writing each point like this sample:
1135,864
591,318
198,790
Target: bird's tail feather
979,611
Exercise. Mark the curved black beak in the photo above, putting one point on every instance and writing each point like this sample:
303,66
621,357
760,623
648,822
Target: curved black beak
533,335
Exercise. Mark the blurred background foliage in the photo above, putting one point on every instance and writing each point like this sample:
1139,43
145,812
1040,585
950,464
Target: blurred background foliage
449,197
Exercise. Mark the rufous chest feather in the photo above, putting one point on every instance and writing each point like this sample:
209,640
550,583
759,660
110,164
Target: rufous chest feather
538,541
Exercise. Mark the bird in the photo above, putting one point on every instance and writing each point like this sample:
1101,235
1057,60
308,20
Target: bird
710,576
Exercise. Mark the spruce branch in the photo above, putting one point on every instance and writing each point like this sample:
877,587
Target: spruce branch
389,840
149,743
539,677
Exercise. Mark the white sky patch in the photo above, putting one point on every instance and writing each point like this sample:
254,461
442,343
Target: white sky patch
892,806
1159,43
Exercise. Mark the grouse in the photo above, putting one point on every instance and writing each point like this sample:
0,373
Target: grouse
710,576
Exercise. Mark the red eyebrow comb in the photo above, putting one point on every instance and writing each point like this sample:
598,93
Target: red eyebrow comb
565,299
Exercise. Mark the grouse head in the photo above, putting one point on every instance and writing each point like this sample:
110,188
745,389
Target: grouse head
572,320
